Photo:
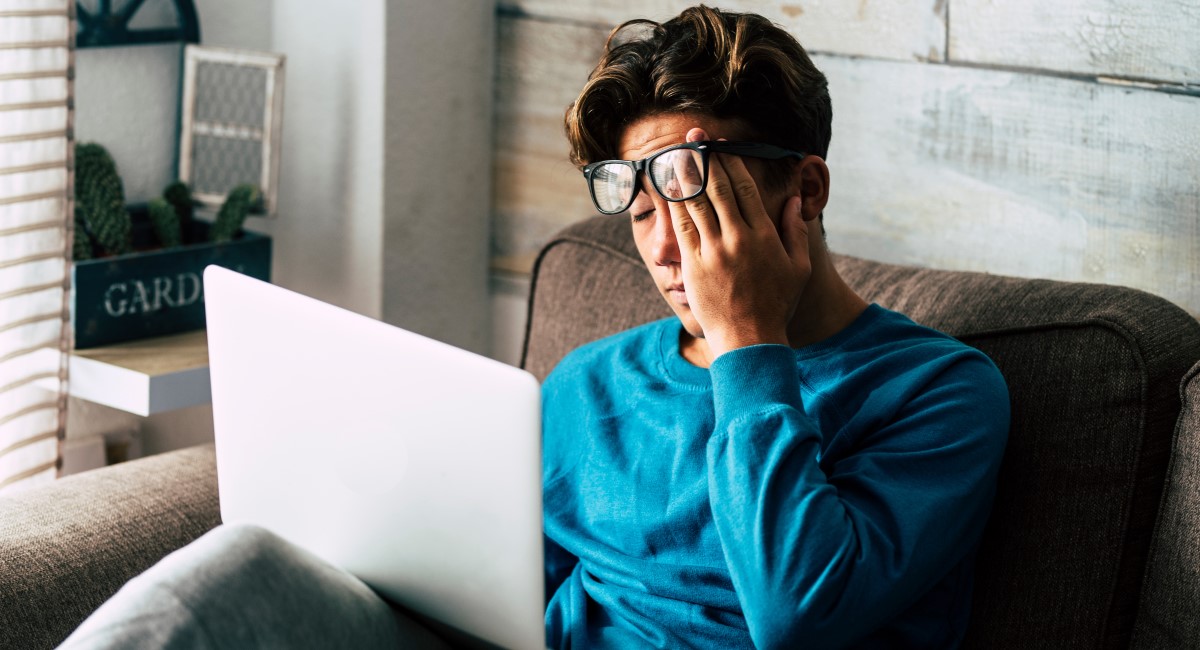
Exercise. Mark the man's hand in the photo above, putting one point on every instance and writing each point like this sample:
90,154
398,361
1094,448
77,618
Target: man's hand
743,278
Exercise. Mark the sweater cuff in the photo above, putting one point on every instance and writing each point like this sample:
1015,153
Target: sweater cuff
751,379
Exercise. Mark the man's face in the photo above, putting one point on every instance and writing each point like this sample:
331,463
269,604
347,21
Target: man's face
650,214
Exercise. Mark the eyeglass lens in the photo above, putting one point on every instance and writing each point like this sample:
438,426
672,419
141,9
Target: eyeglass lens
678,174
612,186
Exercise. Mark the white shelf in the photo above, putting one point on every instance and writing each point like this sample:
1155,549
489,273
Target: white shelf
144,377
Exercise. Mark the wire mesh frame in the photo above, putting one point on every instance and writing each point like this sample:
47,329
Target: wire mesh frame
263,136
57,381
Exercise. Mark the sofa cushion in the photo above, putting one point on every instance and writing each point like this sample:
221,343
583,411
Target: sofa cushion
69,545
588,282
1092,371
1171,594
1093,374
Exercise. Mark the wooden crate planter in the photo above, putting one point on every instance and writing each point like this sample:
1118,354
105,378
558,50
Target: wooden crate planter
155,292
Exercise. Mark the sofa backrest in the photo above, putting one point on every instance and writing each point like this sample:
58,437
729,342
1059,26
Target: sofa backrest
1093,372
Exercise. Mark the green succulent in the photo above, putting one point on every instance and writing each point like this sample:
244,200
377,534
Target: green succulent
82,248
165,219
179,195
100,198
232,215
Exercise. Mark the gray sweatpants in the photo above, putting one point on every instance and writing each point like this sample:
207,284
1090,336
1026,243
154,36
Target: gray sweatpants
240,586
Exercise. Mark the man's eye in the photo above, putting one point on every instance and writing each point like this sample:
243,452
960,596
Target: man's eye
640,210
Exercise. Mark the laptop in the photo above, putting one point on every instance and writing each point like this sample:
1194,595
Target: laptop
409,463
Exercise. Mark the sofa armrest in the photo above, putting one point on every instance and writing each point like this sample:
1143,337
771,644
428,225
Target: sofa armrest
68,546
1171,590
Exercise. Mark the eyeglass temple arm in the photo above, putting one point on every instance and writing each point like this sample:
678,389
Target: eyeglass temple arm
753,149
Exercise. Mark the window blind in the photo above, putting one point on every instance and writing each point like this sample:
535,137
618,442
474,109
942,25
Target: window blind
36,64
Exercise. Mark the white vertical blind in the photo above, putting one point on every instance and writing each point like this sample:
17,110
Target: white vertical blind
36,59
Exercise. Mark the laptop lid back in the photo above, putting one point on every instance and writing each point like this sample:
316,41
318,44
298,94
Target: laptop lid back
412,464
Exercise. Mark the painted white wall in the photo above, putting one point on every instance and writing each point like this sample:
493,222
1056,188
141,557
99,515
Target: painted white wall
509,306
245,24
399,233
329,225
438,166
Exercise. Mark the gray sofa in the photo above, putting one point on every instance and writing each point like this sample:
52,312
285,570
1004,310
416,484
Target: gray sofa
1094,541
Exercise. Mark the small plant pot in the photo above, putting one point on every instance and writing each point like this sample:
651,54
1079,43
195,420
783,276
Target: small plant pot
155,292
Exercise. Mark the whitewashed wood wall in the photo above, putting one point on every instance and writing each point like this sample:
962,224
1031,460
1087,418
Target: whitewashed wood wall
1022,137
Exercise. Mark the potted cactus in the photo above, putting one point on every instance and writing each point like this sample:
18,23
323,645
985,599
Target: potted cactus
138,268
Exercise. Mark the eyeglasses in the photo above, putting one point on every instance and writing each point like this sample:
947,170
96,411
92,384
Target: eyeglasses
677,174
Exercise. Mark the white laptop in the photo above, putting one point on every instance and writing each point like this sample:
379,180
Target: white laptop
410,463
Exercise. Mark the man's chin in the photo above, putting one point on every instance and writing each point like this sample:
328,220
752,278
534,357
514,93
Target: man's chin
690,326
684,313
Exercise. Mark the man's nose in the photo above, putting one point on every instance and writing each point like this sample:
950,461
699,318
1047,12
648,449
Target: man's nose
666,246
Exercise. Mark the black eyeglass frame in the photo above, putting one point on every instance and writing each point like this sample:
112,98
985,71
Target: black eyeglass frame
705,147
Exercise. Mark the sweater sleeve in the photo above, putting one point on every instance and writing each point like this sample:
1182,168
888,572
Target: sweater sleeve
821,557
559,563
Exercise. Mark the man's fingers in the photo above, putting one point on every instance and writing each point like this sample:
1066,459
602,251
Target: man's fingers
687,165
719,199
731,172
698,218
687,174
705,216
687,234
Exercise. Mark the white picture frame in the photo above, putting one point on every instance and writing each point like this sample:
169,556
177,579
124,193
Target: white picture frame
266,133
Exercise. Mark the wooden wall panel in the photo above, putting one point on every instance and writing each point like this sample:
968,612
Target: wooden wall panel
892,29
935,165
1120,38
540,68
1016,174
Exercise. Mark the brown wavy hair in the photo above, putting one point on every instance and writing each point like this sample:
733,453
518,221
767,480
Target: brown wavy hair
737,66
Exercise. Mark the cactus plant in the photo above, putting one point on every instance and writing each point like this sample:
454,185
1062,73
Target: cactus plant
82,247
165,220
100,198
233,212
179,195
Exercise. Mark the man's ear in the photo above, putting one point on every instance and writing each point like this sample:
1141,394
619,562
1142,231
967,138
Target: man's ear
812,177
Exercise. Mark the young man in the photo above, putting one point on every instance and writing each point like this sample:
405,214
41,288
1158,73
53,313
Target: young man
780,465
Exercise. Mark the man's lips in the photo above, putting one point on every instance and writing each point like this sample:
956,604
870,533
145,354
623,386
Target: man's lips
676,293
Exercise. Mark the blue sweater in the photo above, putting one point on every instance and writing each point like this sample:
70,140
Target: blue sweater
823,497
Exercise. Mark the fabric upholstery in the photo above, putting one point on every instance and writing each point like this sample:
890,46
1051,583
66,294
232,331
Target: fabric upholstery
1092,370
587,283
1170,607
68,546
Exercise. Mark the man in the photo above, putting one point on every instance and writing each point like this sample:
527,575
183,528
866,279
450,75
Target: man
780,465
